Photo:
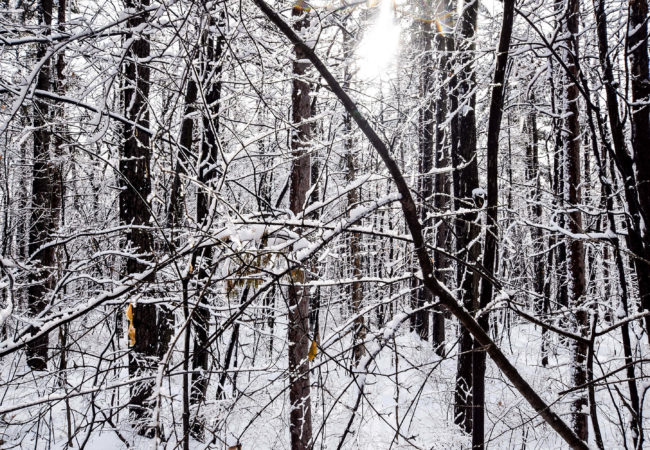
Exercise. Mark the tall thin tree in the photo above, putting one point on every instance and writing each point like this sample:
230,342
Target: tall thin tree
135,176
637,52
298,293
492,230
46,197
467,197
571,138
208,176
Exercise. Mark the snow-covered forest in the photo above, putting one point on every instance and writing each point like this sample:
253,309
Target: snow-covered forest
332,224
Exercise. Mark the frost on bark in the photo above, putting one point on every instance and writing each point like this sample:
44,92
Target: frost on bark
360,330
572,193
444,46
46,199
298,294
420,296
208,174
492,228
135,176
463,102
637,42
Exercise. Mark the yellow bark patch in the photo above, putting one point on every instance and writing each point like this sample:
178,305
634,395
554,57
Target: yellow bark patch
312,351
298,276
129,316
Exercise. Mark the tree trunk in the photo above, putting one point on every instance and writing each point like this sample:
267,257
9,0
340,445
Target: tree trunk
177,196
174,218
298,294
637,50
444,45
420,296
492,230
207,175
46,201
353,198
465,185
572,193
535,209
135,209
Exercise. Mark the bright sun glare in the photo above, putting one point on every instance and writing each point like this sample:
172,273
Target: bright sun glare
380,43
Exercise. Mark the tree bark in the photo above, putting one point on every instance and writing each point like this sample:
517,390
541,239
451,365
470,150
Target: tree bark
183,159
637,52
420,296
492,230
465,185
46,200
135,209
444,45
298,294
572,193
207,175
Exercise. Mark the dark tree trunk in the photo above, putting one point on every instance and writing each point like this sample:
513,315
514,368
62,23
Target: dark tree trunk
175,213
298,294
492,230
637,43
355,256
559,272
46,201
183,159
444,45
572,192
633,230
207,175
360,331
540,265
135,209
637,238
465,184
420,296
535,209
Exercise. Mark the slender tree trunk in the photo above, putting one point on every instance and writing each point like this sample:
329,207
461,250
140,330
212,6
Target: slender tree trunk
59,87
299,340
558,185
535,209
465,189
174,219
355,255
539,265
492,230
637,236
572,192
46,200
353,199
207,175
420,295
234,340
444,45
186,365
637,52
177,196
135,209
